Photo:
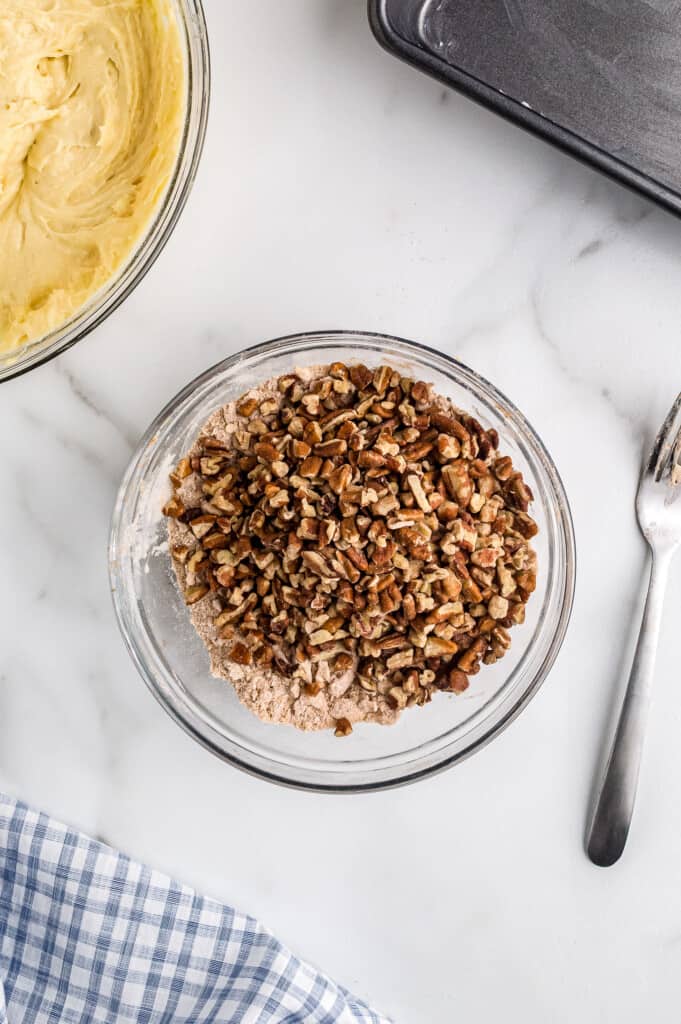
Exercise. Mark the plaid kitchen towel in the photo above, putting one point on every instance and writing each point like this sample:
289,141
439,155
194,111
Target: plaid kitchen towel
86,934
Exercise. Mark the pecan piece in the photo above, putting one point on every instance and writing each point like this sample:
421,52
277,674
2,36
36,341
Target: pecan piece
195,593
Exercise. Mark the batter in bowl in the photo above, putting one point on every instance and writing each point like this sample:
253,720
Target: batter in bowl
91,108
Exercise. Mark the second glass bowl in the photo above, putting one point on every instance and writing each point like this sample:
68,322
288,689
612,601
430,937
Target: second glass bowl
174,663
194,36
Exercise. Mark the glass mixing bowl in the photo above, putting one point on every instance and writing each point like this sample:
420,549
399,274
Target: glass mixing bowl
194,35
174,663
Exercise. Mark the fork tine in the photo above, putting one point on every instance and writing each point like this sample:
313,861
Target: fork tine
666,440
676,462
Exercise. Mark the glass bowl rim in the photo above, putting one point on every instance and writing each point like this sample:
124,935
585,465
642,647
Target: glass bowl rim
566,541
114,292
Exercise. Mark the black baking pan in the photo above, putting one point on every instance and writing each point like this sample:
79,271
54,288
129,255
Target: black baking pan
600,79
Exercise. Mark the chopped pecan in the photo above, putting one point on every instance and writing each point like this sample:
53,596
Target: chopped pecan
247,407
240,654
357,525
173,508
195,593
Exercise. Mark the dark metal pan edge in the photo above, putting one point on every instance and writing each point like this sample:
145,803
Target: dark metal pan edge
478,91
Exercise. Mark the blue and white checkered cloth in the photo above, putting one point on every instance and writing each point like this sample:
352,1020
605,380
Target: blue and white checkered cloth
88,935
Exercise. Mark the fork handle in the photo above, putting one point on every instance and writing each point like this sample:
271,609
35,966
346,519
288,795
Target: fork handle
615,807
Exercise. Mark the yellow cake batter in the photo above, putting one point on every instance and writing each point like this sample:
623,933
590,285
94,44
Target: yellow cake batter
91,108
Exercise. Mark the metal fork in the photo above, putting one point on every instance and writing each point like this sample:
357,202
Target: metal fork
659,517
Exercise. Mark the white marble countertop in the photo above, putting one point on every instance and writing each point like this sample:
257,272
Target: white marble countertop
340,188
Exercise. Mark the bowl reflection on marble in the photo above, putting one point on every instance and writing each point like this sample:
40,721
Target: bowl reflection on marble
174,663
194,41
